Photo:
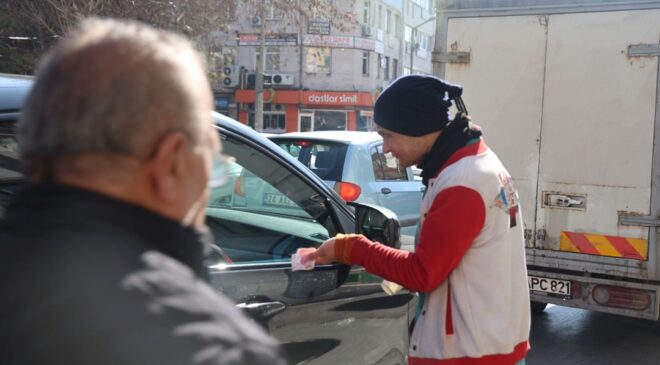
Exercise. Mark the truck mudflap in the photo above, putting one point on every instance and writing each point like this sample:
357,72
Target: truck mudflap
604,245
599,294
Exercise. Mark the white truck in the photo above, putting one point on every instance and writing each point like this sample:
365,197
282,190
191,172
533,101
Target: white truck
568,95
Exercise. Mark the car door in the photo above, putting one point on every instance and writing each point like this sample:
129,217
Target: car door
334,314
397,188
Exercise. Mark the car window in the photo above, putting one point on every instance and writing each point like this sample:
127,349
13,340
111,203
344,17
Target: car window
264,213
386,166
325,159
11,176
9,157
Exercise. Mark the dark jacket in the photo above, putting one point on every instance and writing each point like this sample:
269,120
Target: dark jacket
87,279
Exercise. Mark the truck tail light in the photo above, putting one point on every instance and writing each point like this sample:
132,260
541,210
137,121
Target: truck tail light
349,191
620,297
576,289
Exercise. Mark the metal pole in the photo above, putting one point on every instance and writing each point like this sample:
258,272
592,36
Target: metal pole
412,48
259,87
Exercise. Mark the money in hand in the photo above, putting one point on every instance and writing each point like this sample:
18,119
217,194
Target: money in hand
301,260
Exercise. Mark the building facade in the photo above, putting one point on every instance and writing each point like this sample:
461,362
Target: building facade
320,74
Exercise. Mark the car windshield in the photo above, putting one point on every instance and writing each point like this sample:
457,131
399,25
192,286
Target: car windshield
325,159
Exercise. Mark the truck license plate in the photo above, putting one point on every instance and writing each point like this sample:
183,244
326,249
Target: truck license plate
552,286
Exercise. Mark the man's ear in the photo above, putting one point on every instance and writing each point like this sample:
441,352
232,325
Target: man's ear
166,166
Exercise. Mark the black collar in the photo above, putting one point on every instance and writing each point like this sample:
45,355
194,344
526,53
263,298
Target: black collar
56,205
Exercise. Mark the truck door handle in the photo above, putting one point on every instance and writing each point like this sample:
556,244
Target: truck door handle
262,309
385,190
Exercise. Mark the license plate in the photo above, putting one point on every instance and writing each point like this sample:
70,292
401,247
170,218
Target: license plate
552,286
278,200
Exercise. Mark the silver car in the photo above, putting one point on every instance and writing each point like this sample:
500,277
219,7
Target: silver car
354,165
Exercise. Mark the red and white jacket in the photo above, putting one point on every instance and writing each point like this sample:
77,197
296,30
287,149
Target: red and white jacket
469,262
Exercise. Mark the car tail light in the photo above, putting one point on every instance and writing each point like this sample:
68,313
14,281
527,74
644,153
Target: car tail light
238,187
620,297
350,192
302,143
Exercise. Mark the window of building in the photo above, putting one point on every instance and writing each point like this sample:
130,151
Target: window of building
274,118
365,120
407,38
424,41
380,65
386,70
365,13
424,4
395,68
386,166
397,24
380,17
365,63
272,58
274,122
318,60
329,120
388,21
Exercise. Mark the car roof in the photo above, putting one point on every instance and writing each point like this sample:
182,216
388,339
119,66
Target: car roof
13,91
349,137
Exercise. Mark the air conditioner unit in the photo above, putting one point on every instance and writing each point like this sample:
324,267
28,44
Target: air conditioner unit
282,79
268,80
366,30
278,79
230,75
256,21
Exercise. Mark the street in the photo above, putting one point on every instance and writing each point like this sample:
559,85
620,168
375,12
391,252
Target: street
570,336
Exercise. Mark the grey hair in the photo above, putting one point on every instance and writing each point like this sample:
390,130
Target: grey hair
113,87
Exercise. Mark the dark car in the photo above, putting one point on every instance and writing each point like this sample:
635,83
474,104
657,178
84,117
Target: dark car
271,206
13,91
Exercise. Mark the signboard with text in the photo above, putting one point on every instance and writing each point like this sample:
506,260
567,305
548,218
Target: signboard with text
335,98
318,27
365,44
327,41
277,39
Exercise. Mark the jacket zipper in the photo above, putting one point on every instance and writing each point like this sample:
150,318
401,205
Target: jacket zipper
449,324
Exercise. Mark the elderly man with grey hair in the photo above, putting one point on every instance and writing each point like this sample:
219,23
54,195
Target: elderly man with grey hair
101,255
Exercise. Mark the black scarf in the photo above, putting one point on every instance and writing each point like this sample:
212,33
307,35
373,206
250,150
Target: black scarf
454,136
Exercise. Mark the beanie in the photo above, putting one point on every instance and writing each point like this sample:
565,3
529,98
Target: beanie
415,105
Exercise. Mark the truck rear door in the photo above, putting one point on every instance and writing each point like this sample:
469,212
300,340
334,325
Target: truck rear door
571,112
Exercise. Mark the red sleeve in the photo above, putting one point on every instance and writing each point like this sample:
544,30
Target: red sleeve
451,225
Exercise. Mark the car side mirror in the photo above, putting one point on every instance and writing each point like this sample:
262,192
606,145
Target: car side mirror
377,223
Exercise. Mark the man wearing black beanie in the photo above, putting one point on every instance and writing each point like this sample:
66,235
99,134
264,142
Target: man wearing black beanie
469,262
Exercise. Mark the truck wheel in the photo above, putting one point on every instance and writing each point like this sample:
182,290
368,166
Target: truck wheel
538,307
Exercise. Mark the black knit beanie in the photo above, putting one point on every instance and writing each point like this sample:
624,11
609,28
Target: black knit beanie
416,105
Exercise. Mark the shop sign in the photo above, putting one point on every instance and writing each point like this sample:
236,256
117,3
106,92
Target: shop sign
318,27
331,98
277,39
366,44
380,47
327,41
